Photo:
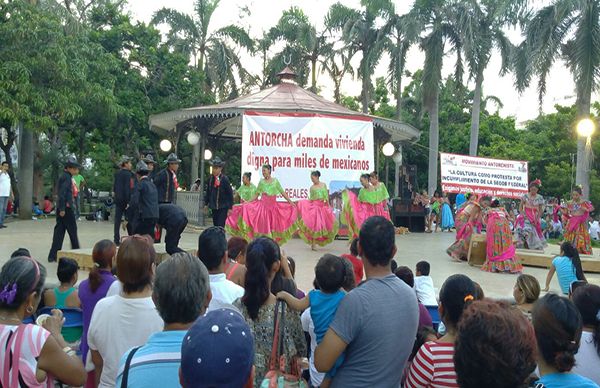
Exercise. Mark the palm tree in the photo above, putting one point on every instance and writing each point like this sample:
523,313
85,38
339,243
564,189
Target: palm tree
337,71
398,35
481,25
568,30
360,33
438,30
211,52
303,40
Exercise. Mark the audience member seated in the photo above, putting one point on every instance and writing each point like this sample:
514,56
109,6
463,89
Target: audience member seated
424,284
126,320
557,325
292,263
357,263
323,302
587,361
235,268
263,260
526,292
433,365
495,346
20,252
406,275
48,206
567,266
36,354
424,334
368,315
218,351
66,295
94,288
212,251
156,364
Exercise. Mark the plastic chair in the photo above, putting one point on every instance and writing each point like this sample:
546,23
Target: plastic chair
73,317
435,316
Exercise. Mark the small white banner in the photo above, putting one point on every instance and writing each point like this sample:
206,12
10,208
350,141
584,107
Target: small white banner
499,178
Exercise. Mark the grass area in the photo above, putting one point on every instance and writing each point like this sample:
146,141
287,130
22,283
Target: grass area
595,243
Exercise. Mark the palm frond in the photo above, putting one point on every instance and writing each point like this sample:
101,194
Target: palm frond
238,35
178,22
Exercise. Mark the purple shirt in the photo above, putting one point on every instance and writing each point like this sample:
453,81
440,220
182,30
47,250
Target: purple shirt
424,317
88,303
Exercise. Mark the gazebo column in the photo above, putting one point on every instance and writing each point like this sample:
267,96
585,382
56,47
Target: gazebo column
195,161
202,148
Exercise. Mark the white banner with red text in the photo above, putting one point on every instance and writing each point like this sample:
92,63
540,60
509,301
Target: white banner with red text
294,144
495,177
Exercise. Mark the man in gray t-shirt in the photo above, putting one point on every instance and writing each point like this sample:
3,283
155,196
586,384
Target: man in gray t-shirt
376,323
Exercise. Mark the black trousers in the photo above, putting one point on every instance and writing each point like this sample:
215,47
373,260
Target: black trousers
145,226
64,224
173,236
219,217
119,213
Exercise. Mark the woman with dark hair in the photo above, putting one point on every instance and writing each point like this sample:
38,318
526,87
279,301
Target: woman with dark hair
500,250
235,268
557,325
316,222
577,213
96,286
447,219
587,361
436,211
381,197
263,215
371,201
433,365
529,232
247,190
258,308
495,347
468,221
567,266
126,320
32,355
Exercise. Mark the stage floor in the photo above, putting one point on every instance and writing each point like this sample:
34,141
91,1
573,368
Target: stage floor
37,237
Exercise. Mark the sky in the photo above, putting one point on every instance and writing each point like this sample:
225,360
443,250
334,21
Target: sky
265,13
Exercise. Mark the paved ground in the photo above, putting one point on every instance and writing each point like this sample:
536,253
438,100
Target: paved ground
37,235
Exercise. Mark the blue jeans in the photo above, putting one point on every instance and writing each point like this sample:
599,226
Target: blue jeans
3,206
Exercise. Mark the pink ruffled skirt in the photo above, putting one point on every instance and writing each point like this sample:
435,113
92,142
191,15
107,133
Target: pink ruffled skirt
355,213
317,222
263,217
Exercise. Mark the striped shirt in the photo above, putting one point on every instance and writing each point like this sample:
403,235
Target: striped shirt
433,366
156,364
26,343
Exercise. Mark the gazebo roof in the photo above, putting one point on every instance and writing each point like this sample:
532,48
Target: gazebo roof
283,97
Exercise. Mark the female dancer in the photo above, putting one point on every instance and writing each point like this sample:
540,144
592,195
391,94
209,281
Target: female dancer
380,199
436,211
529,233
356,209
316,221
247,190
500,250
265,216
576,231
447,217
468,220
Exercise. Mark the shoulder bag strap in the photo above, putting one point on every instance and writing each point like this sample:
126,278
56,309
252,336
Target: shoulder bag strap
124,380
274,359
282,332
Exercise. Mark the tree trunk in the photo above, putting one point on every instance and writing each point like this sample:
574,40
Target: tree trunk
582,176
365,89
400,64
25,172
313,83
475,113
434,140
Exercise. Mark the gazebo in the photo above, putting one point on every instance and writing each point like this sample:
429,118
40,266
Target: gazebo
225,120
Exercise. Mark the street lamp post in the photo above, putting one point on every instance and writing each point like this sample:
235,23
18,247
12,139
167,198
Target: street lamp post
388,150
585,130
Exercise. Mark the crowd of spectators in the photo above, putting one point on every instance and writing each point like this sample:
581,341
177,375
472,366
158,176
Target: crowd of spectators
232,316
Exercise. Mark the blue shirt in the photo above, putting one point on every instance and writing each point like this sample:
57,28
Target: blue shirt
322,310
460,199
156,364
565,270
560,380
